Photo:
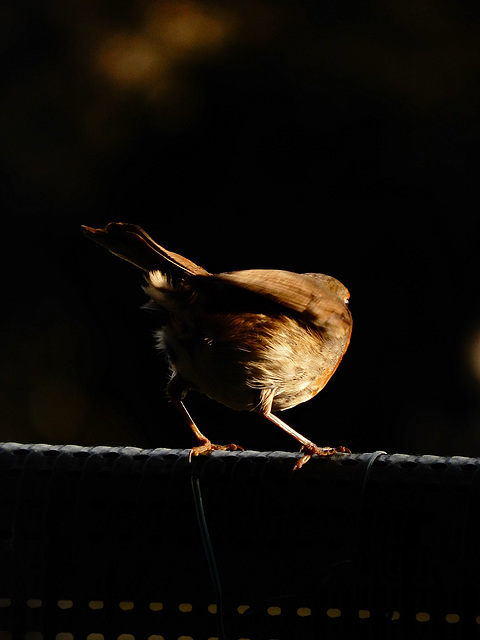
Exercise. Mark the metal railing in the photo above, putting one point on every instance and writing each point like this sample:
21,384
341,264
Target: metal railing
111,543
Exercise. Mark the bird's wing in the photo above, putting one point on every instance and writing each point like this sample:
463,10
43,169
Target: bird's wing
300,292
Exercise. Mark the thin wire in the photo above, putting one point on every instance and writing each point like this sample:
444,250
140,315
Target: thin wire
207,545
359,552
347,564
366,477
324,576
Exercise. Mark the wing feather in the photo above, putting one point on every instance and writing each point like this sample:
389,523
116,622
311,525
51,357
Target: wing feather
303,293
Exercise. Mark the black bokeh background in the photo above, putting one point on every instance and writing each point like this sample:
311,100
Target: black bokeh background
331,137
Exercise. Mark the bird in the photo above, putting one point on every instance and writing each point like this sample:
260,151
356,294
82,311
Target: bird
261,340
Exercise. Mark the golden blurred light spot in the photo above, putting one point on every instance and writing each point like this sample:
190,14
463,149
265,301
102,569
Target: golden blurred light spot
183,28
212,608
126,605
422,616
363,614
334,613
155,606
473,353
64,604
274,611
452,618
303,612
185,607
130,60
95,605
170,33
34,603
242,608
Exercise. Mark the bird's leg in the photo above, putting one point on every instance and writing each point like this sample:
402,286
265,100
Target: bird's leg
309,448
176,391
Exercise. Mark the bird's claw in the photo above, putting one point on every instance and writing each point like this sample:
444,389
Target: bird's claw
207,447
312,450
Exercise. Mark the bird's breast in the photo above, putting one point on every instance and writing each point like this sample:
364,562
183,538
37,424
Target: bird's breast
233,357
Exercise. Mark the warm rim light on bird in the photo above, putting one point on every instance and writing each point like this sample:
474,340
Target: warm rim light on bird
260,340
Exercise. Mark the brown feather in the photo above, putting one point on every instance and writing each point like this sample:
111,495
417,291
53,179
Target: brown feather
305,294
130,242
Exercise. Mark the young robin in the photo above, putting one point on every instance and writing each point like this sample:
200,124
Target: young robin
257,340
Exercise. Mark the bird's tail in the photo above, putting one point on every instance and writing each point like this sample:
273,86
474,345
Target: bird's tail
130,242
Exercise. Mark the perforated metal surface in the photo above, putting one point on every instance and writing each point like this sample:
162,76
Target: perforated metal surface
103,543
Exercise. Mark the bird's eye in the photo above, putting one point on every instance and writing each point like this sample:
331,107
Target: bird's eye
347,300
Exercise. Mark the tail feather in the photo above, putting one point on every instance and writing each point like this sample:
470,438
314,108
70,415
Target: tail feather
130,242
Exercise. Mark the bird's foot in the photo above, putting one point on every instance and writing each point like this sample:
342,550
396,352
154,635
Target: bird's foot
312,450
208,447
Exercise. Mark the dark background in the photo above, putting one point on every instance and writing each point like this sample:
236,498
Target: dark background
311,136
